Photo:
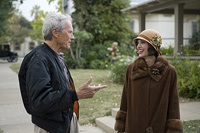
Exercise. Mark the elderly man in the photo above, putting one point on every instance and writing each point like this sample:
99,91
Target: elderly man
46,85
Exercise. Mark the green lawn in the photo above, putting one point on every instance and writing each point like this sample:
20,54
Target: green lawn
191,126
104,100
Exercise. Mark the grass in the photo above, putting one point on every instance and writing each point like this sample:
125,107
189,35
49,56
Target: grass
191,126
101,104
103,101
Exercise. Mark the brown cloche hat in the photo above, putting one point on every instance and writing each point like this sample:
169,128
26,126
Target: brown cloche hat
151,36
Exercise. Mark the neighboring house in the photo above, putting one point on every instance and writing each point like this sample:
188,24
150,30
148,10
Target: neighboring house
176,20
164,23
25,47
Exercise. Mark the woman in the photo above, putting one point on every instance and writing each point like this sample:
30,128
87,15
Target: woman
150,102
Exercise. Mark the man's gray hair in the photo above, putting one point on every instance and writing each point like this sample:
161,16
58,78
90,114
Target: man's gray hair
54,21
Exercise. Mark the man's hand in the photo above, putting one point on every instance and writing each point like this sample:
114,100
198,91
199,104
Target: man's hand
87,91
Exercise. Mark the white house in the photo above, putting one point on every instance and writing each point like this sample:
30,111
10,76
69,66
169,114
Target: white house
176,20
25,47
164,23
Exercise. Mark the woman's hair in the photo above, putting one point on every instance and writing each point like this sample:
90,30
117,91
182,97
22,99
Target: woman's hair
54,21
152,51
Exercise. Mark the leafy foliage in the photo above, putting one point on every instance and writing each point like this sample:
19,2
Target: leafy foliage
195,39
187,71
82,38
103,19
106,22
19,28
37,23
6,9
118,70
167,51
188,77
188,50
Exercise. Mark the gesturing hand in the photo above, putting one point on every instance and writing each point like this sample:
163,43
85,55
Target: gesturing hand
87,91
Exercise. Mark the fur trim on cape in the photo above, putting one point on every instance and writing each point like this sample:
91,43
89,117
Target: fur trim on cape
120,121
156,72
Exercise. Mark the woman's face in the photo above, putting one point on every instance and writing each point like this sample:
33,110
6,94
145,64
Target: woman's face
142,48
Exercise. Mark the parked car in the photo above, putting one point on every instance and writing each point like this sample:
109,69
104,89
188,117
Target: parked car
6,54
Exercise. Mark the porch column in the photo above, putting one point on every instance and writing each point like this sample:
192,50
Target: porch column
142,21
178,11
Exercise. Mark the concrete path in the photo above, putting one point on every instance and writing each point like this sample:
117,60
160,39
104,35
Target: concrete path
14,119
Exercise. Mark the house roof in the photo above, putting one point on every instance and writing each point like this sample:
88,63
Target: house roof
166,6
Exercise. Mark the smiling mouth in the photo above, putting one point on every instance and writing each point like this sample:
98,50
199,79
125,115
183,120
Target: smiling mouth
140,51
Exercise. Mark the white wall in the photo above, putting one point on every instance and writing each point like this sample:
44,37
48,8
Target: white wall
165,25
24,47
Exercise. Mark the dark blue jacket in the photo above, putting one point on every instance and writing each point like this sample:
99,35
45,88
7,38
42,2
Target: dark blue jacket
46,94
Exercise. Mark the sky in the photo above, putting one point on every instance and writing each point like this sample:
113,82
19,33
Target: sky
28,5
136,2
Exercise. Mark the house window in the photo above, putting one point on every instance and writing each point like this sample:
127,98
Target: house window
132,23
31,45
194,27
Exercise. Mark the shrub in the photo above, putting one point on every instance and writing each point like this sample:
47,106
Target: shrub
188,77
187,72
98,64
189,51
167,51
118,69
195,41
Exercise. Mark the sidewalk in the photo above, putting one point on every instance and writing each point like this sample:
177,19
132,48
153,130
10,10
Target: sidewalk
14,119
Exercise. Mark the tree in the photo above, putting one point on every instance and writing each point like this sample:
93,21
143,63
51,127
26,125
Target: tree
12,24
36,33
39,15
6,9
36,12
18,29
82,37
106,21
